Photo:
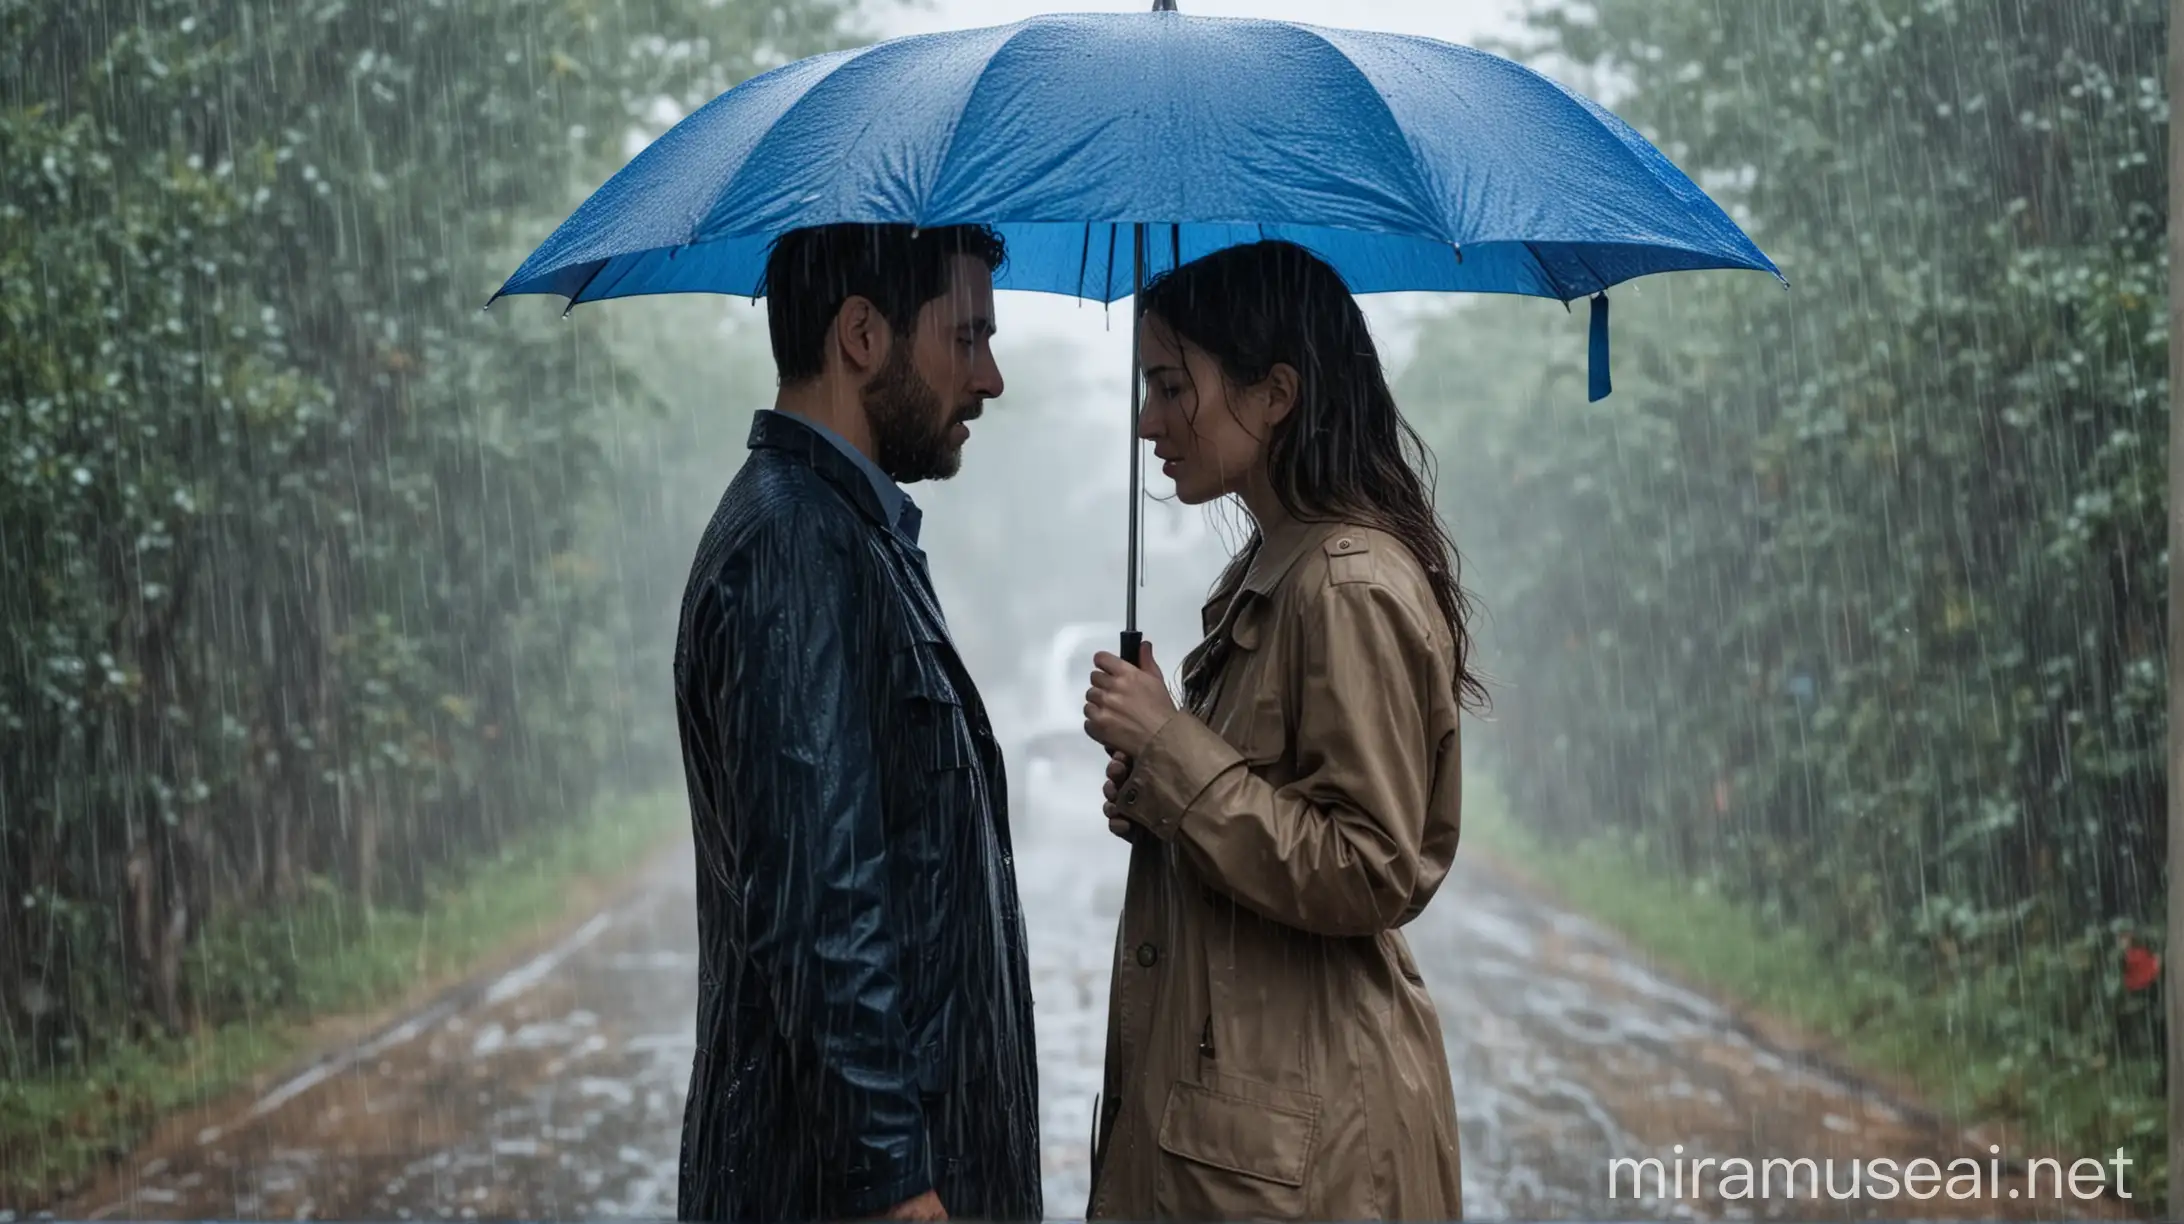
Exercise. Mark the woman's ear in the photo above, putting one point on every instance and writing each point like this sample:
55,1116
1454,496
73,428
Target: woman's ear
1280,387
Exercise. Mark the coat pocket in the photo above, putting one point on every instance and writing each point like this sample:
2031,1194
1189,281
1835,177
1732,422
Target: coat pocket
935,728
1405,964
937,1051
1235,1149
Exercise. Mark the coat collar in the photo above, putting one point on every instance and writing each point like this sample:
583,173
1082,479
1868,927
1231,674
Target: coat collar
772,429
795,439
895,504
1279,544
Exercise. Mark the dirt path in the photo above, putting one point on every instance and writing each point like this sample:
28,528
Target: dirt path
556,1090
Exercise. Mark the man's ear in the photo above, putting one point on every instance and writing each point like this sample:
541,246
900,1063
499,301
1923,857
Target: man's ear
862,336
1281,387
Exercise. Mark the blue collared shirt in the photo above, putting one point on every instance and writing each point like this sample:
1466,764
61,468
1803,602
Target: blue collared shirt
902,513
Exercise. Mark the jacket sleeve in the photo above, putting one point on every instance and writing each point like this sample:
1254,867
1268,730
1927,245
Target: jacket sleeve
797,693
1336,851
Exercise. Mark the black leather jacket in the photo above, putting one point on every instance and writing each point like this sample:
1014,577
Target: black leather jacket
864,1018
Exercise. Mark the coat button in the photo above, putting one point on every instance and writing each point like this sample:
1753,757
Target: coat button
1343,544
1130,795
1147,954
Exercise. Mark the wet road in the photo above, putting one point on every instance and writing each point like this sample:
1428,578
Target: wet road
556,1090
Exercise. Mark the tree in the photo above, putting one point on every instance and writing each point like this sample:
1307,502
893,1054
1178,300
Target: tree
1851,597
291,536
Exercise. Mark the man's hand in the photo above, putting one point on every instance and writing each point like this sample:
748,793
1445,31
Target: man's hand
924,1207
1118,768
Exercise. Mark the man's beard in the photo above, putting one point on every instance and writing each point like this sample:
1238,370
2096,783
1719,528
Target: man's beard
909,433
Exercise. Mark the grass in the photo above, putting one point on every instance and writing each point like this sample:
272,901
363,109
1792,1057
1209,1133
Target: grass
1935,1038
286,977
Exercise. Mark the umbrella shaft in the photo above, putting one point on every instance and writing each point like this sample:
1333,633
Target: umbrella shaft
1137,451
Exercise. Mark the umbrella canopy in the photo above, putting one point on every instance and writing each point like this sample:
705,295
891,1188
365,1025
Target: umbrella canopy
1109,147
1406,163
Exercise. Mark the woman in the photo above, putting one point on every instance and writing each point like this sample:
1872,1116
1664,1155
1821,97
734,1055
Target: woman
1271,1049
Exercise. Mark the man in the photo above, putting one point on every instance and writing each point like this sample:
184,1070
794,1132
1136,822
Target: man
864,1017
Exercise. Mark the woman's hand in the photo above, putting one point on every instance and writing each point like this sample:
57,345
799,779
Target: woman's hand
1118,768
1126,705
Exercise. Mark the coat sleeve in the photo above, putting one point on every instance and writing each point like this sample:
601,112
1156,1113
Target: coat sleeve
1336,851
800,730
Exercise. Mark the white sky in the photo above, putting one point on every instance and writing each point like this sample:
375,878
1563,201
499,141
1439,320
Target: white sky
1461,21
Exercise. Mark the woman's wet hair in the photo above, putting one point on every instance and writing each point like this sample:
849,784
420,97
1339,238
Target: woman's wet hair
1344,451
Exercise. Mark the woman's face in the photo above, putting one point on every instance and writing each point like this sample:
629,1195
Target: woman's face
1210,437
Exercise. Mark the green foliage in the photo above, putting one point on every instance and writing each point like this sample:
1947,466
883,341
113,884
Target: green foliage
302,556
1851,598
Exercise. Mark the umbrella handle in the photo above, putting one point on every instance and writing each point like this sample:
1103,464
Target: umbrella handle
1131,640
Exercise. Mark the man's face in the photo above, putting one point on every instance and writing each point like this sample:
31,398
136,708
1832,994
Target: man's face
935,382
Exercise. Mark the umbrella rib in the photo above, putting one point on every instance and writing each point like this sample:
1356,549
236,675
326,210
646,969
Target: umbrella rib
1107,287
955,126
1541,264
578,296
1586,264
1421,196
1084,259
831,63
1616,127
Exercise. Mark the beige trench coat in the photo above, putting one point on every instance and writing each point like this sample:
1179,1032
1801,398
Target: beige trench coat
1272,1052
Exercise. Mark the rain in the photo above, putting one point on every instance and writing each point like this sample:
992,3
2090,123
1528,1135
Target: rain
1816,814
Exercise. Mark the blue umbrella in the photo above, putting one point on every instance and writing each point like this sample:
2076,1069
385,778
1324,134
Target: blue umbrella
1107,148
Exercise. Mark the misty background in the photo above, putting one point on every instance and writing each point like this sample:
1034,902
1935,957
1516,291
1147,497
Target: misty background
321,588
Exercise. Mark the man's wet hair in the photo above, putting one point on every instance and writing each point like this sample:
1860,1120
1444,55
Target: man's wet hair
811,272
